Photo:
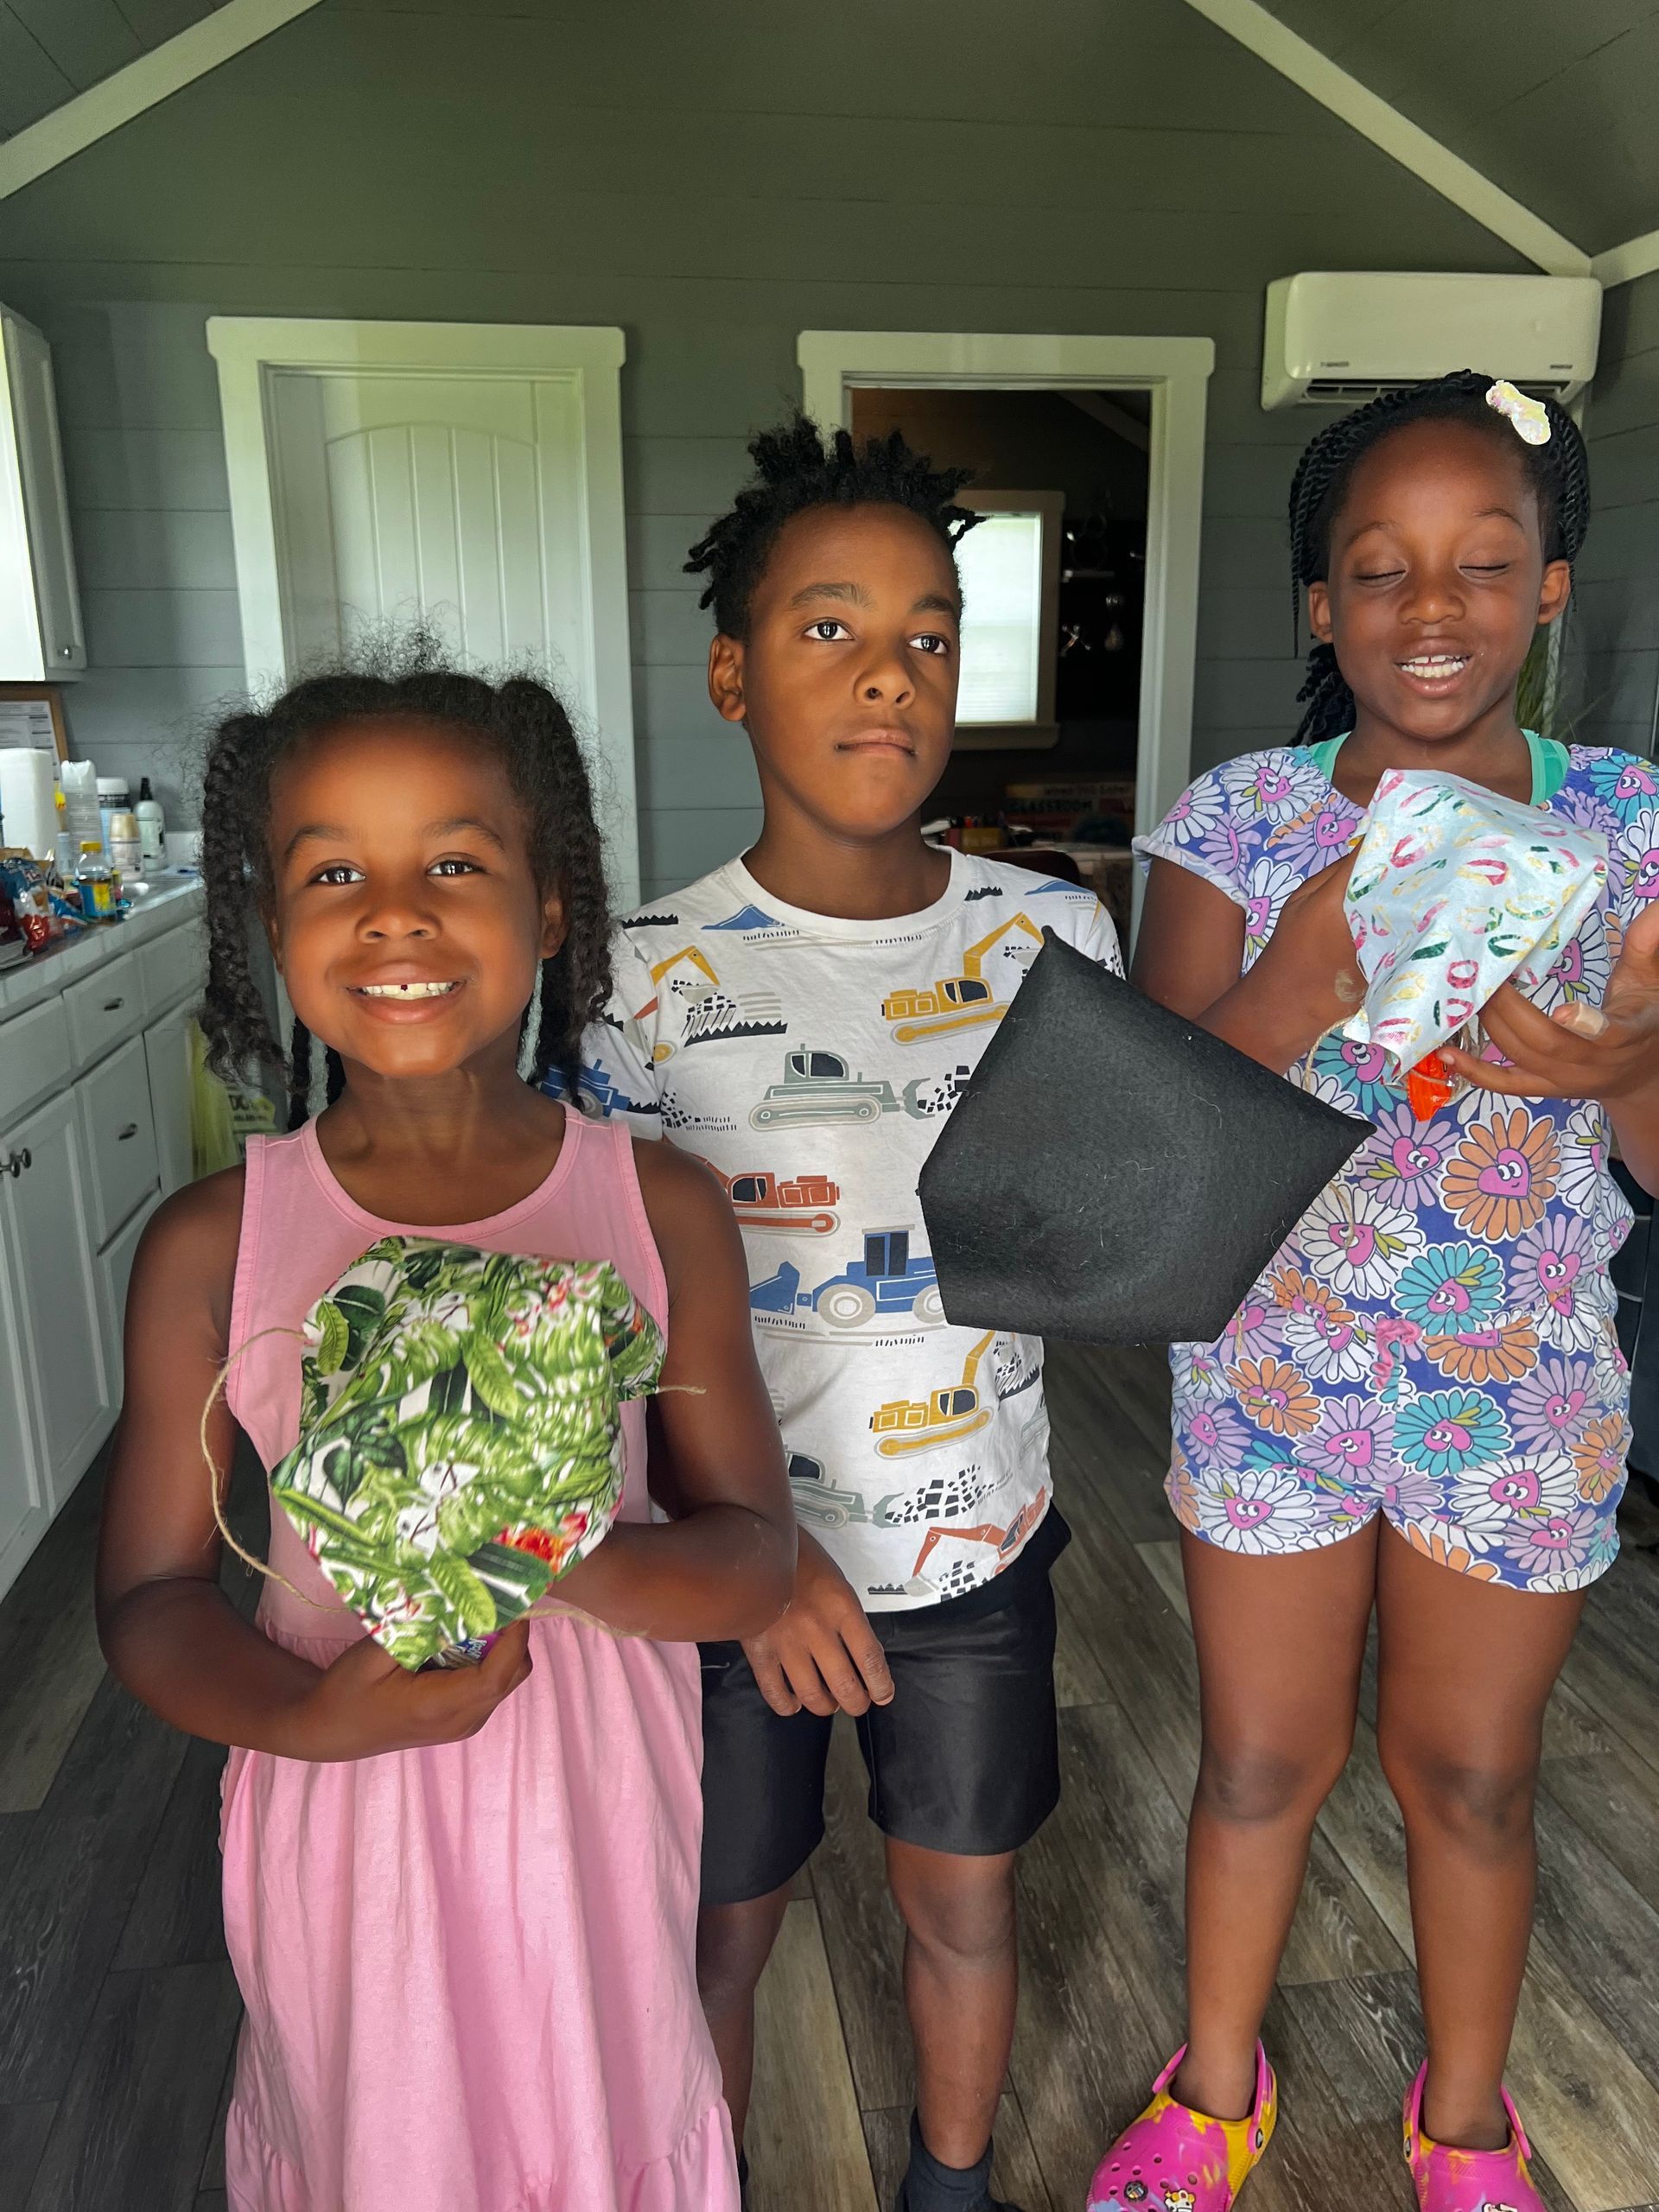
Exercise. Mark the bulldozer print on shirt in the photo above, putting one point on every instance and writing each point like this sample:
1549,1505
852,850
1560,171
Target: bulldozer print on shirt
820,1088
711,1012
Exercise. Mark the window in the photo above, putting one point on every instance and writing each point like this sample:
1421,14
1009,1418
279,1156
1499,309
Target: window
1009,564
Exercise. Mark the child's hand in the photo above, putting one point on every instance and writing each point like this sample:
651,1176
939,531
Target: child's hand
1312,943
367,1703
1610,1053
823,1654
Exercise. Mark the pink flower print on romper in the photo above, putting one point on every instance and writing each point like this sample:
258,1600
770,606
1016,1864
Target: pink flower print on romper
1545,1277
1406,1154
1549,1408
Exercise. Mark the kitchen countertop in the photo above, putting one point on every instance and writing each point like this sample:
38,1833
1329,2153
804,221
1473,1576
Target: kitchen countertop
174,896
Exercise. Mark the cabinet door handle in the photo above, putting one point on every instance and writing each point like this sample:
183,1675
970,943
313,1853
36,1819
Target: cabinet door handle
28,1157
131,1130
113,1006
15,1166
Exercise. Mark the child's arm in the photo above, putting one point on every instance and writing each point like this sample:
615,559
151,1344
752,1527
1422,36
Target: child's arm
724,1566
1609,1053
1191,947
167,1631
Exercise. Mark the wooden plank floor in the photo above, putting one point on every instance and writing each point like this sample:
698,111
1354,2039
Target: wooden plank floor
118,2010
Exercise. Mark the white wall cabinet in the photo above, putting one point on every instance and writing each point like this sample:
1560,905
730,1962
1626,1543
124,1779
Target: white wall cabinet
94,1133
40,634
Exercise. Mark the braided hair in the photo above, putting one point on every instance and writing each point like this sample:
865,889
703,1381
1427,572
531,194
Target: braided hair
522,723
794,471
1558,472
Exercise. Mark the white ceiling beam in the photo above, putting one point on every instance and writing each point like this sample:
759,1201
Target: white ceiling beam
92,115
1621,264
1402,139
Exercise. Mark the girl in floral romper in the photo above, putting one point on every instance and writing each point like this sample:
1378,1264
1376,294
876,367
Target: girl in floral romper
1421,1406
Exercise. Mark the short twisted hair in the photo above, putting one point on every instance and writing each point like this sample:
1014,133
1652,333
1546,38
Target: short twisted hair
523,723
794,471
1558,473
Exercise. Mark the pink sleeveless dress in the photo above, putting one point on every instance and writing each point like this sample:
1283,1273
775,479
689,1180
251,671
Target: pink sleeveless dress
469,1971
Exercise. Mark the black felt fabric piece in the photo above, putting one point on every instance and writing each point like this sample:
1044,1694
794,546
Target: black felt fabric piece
1114,1175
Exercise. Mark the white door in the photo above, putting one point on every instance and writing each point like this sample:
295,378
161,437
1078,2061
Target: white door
46,1211
456,496
470,472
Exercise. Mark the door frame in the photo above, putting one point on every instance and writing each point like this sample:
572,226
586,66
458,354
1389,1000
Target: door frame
249,349
1176,372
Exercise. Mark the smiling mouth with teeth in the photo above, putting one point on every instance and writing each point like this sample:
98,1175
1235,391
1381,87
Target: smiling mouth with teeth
405,990
1436,665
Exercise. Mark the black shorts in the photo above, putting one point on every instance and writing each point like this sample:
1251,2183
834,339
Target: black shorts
965,1759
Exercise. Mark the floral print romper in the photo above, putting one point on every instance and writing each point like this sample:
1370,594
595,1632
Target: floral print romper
1435,1340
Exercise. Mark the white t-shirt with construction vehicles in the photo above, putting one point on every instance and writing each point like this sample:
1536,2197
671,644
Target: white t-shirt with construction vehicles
811,1062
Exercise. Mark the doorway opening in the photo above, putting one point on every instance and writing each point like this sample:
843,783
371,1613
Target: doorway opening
1054,590
1159,382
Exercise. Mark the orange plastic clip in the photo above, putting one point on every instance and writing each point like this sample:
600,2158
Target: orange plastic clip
1430,1085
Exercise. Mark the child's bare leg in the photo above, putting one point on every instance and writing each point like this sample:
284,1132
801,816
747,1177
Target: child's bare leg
961,1980
734,1943
1465,1671
1280,1642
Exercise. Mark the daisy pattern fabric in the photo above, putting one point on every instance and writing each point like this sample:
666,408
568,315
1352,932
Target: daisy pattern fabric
1455,890
459,1442
1435,1340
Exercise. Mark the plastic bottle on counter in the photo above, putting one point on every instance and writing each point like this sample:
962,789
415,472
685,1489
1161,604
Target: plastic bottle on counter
152,827
113,798
66,849
99,893
126,851
78,779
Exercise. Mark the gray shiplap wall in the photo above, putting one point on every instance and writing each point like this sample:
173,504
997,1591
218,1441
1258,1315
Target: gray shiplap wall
1618,597
715,182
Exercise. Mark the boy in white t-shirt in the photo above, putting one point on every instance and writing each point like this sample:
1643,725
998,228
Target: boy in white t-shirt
804,1018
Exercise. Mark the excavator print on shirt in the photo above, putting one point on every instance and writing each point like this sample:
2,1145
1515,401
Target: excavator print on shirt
965,1000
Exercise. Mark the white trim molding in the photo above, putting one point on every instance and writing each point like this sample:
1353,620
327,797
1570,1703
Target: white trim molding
250,350
1623,264
1176,372
1403,141
143,84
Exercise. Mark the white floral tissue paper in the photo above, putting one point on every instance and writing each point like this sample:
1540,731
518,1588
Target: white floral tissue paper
1455,891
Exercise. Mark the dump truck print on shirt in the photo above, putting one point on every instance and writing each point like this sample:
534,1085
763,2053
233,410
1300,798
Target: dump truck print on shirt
811,1061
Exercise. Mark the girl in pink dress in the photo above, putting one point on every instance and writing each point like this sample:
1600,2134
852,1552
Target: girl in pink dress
460,1905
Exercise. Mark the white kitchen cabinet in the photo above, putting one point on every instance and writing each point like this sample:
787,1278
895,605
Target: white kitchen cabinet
115,1273
25,1503
94,1131
46,1207
119,1130
167,1057
40,634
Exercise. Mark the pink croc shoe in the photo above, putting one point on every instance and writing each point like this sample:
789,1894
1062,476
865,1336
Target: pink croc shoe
1175,2160
1448,2180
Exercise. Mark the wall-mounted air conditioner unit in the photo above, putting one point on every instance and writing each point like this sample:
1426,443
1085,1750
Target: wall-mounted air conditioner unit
1334,339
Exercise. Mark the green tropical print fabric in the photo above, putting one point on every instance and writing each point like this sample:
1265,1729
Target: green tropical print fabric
461,1442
